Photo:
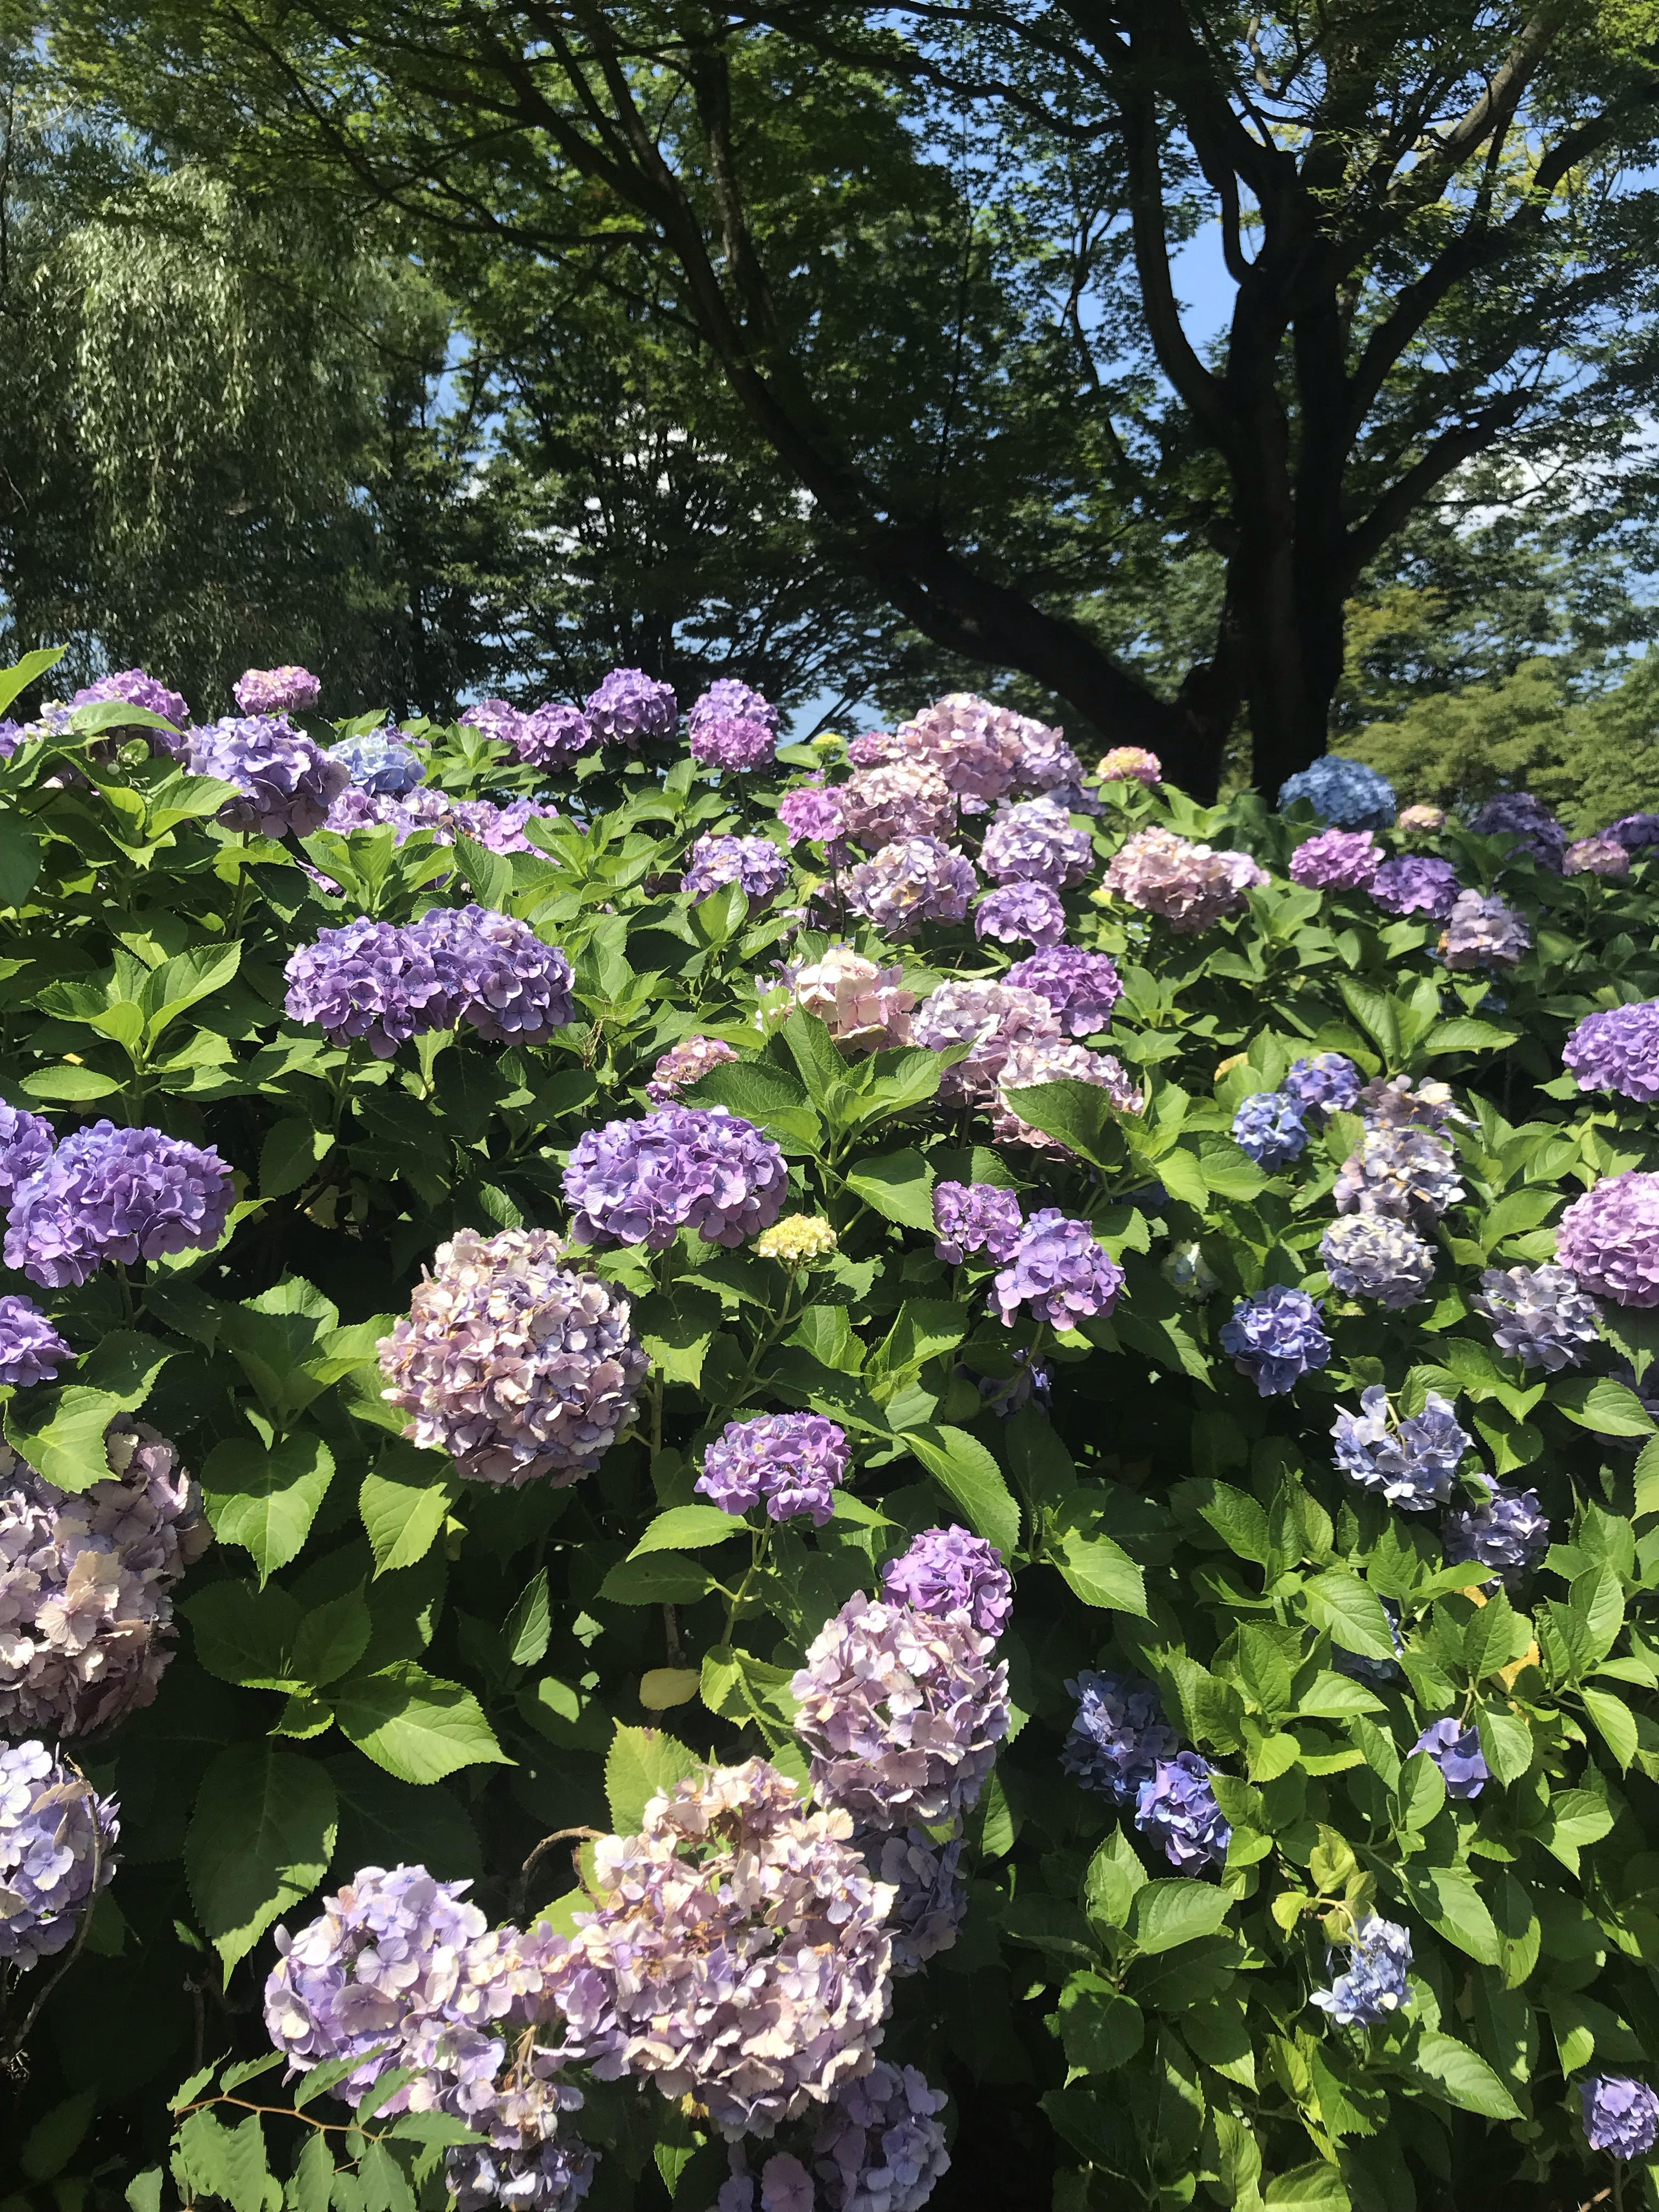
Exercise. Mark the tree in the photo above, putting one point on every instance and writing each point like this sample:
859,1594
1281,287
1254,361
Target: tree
903,235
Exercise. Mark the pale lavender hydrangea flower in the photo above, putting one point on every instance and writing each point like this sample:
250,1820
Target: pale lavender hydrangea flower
86,1614
948,1570
1509,1533
115,1194
1367,1255
1373,1988
284,690
549,2174
1176,1807
684,1167
132,688
502,981
1621,2115
991,1019
904,798
1268,1126
1407,1174
497,829
973,745
684,1064
1118,1736
1598,856
56,1850
793,1463
1411,1463
630,705
1416,883
1082,988
861,1006
1055,1060
403,813
1397,1102
1275,1337
26,1145
917,879
1035,842
1328,1083
1538,1315
901,1712
1484,932
552,736
1020,913
1525,822
1192,886
1618,1050
974,1216
1337,860
511,1363
1129,764
1608,1239
1456,1751
880,2147
285,782
875,749
1059,1271
377,764
31,1350
497,719
759,865
812,813
930,1902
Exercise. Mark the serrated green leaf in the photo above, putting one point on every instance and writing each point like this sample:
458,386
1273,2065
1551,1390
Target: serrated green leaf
1166,1913
1462,2076
266,1500
641,1765
402,1505
964,1468
898,1185
260,1841
414,1725
688,1528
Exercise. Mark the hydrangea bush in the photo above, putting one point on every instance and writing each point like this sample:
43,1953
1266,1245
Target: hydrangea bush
664,1543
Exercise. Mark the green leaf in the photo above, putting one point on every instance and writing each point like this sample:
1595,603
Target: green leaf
677,1328
899,1185
143,2192
19,859
402,1505
221,2161
1167,1913
1449,1900
60,1431
688,1528
1077,1115
313,2177
291,1150
925,1327
1615,1721
740,1687
19,677
1612,1409
260,1841
1350,1612
1314,2187
245,1636
659,1578
527,1629
1462,2076
331,1638
1100,2028
1101,1572
57,2136
266,1500
963,1467
415,1726
72,1086
641,1765
1236,1518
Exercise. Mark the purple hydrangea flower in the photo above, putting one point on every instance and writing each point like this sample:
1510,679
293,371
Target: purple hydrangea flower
86,1617
1055,1060
1635,832
1176,1806
1192,886
1527,821
1404,1174
875,749
1539,1316
761,866
811,813
793,1462
511,1363
1341,791
1598,856
551,2174
899,799
1621,2116
974,1216
56,1851
502,980
1456,1751
1373,1991
731,741
630,705
404,814
930,1903
1416,883
1510,1533
379,764
1035,842
1396,1102
1367,1255
1081,987
1484,932
132,688
385,984
901,1712
1275,1337
917,879
109,1194
684,1064
497,829
1021,913
284,690
26,1145
1411,1463
285,782
1608,1239
1059,1271
991,1019
948,1570
727,700
683,1167
1328,1083
880,2147
1618,1050
497,719
1118,1735
31,1350
1337,860
1268,1126
553,736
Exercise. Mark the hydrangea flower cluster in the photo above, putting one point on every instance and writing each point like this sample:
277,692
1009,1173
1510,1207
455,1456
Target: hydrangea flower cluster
132,688
1367,1255
31,1349
812,813
1421,821
793,1463
731,725
513,1365
974,1216
967,742
797,1240
109,1194
684,1064
1020,913
901,1712
1608,1239
1118,1735
1396,1102
915,880
1055,1060
1337,860
26,1144
286,783
1059,1271
759,865
1456,1751
1525,821
930,1902
1129,764
1411,1463
1509,1533
860,1004
1268,1126
1417,883
385,984
1484,932
872,748
881,2146
948,1571
1192,886
1373,1990
630,705
1328,1082
1406,1173
1598,856
553,736
682,1167
991,1019
284,690
1275,1337
1343,791
56,1851
1618,1050
901,798
86,1614
1635,832
1176,1807
1538,1315
1082,988
1620,2116
1034,843
377,764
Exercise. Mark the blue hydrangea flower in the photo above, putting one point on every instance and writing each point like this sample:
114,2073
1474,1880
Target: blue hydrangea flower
1374,1988
1268,1126
1411,1464
1276,1337
1509,1533
379,763
1456,1751
1176,1807
1621,2116
1119,1735
1538,1315
1326,1083
1343,791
